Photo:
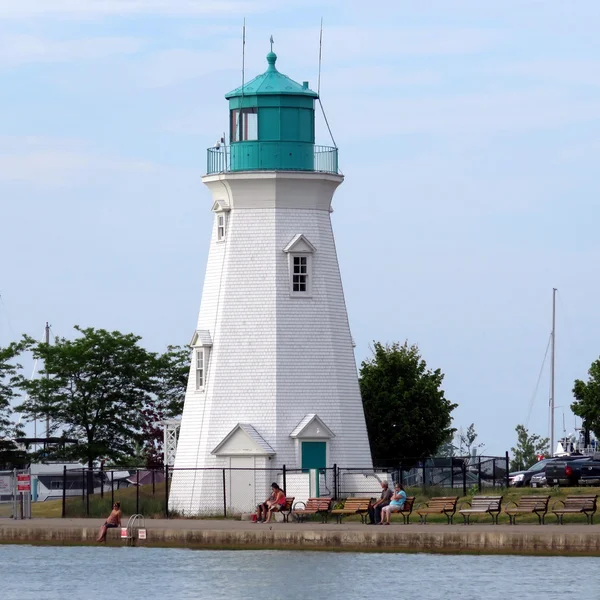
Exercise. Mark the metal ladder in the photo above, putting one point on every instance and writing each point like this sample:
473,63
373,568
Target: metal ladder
134,524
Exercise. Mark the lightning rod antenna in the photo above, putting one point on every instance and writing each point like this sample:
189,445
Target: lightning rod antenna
320,57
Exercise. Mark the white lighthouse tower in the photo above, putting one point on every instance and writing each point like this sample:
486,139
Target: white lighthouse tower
273,379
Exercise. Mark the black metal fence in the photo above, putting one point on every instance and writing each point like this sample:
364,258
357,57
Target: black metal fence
169,492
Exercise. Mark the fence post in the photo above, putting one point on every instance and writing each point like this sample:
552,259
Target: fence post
167,491
112,489
224,497
507,468
102,480
479,474
137,491
401,475
494,472
452,472
335,481
464,474
64,494
87,496
284,480
83,484
424,477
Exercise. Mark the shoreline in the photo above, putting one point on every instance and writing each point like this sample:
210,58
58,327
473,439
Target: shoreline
483,538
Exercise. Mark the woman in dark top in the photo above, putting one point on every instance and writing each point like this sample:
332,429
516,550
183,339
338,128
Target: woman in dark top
273,502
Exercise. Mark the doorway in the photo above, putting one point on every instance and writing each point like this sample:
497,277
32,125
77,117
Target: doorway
241,492
314,455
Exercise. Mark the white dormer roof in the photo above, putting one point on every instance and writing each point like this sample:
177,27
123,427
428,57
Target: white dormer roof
201,337
220,206
243,440
312,426
299,243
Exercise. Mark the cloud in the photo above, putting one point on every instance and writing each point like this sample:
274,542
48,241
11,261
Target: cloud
20,49
45,162
578,72
452,113
24,9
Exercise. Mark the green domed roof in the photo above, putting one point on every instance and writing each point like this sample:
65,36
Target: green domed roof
272,82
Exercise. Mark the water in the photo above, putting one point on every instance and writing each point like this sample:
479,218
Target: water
86,573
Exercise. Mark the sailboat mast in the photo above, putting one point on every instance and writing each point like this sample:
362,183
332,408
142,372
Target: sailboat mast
552,371
47,376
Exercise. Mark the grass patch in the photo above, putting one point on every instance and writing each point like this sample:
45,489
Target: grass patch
151,505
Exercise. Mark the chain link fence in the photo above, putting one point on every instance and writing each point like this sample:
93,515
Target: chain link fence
461,474
227,492
15,494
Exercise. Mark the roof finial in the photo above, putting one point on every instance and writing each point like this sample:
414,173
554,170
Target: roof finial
272,42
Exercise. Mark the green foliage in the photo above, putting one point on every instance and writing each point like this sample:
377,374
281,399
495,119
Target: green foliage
587,399
527,449
98,390
407,414
9,430
467,441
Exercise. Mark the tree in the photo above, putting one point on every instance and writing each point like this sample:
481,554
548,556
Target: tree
174,370
97,388
407,414
9,430
466,441
587,401
528,448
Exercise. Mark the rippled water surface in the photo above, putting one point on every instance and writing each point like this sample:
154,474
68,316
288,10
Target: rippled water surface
84,573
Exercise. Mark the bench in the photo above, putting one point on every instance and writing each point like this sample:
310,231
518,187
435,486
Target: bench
482,505
441,505
406,509
313,506
537,505
573,505
286,509
353,506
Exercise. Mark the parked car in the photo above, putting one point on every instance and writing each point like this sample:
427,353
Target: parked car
590,471
573,470
538,480
523,478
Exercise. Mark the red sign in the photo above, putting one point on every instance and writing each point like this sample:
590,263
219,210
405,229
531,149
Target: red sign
24,483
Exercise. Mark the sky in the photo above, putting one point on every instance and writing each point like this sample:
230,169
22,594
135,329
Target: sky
468,135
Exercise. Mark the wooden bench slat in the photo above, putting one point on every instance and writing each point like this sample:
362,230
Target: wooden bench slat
314,506
584,504
537,505
445,505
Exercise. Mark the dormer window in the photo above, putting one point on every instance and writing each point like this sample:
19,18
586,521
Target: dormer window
244,124
300,263
201,344
221,227
200,368
300,273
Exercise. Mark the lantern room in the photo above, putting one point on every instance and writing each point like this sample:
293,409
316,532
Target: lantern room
272,127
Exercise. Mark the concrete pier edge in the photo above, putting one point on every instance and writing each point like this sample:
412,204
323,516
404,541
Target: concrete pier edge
574,540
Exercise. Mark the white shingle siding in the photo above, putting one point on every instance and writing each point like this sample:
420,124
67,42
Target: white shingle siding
274,358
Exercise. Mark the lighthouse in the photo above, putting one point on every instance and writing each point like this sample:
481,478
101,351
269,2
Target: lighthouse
273,378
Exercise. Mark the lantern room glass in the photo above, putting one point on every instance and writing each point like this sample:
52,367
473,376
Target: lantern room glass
244,125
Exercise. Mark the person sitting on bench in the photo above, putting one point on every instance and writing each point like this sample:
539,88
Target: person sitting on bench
384,500
395,505
273,503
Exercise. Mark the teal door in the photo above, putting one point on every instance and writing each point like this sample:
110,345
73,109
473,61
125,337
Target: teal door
314,455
